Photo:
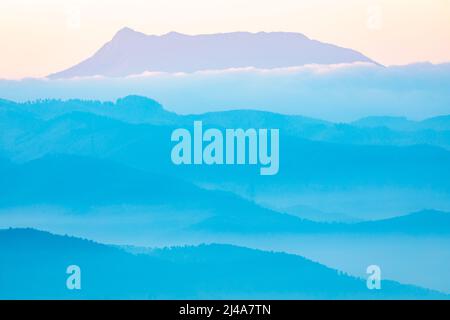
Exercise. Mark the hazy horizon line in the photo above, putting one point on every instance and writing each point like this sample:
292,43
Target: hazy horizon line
312,67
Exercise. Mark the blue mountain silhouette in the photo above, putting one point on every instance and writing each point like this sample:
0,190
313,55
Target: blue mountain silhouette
426,222
422,222
33,266
440,123
317,151
79,156
140,110
80,183
316,156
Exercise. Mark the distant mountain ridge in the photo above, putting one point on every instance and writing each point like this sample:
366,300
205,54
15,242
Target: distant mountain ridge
439,123
141,110
131,52
317,156
203,272
77,182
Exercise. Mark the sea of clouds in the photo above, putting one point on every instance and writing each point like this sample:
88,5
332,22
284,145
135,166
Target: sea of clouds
334,92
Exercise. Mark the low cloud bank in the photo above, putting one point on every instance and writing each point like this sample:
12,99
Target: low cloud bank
336,92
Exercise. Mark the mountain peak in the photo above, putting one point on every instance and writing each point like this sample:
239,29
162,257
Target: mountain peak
126,30
174,34
132,52
139,101
126,33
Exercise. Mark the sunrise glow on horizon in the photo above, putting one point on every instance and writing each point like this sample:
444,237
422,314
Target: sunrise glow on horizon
44,36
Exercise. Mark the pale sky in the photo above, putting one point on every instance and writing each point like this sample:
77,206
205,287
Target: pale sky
39,37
